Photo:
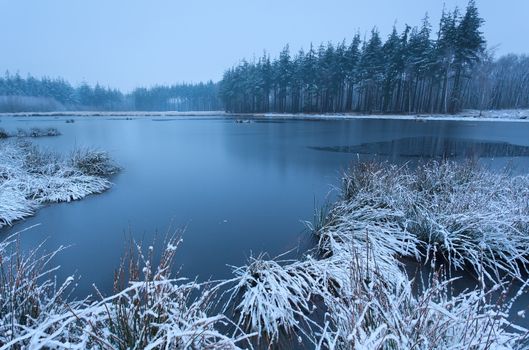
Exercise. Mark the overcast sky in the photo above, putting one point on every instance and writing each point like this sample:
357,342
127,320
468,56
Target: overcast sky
129,43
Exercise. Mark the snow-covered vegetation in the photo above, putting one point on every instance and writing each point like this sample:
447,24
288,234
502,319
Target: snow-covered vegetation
37,132
152,310
31,177
446,216
33,132
351,292
473,217
507,115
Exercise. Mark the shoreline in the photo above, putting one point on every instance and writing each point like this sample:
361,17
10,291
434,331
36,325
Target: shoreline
511,115
505,115
115,114
384,213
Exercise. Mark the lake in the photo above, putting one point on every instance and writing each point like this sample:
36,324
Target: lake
236,188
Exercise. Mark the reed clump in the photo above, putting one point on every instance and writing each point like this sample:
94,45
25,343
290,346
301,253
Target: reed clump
150,308
351,292
448,217
31,177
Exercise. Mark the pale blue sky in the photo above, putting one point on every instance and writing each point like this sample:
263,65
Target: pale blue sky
128,43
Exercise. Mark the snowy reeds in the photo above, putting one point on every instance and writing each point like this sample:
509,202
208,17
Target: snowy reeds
28,294
352,292
149,310
33,132
364,307
30,177
274,298
356,278
93,162
372,312
475,218
37,132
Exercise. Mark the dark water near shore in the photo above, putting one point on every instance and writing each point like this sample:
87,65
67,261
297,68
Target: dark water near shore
236,188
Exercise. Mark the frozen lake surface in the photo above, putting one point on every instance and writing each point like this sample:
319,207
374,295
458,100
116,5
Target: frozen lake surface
236,188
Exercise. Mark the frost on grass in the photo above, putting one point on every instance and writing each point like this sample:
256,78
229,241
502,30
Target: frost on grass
270,297
373,312
150,309
30,177
33,132
473,217
352,292
439,213
28,294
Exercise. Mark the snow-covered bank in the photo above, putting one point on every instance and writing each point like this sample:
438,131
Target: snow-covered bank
441,213
518,115
351,292
117,114
31,177
150,309
33,132
474,218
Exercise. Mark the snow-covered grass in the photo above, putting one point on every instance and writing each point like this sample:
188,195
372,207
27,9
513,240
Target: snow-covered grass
511,115
150,310
33,132
458,213
473,217
37,132
372,312
273,298
364,307
31,177
352,292
28,293
116,114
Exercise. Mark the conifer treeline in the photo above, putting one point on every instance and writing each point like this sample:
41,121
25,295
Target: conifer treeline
415,71
19,94
419,70
182,97
23,94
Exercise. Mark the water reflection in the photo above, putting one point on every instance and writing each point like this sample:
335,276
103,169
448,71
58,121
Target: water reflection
433,147
238,188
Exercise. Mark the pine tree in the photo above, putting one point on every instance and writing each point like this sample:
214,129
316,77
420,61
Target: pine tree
469,46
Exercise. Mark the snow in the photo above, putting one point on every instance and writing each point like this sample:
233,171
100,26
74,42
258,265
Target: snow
117,114
356,273
511,115
156,312
514,115
30,177
352,292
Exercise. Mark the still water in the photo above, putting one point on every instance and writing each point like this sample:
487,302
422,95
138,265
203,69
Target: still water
236,188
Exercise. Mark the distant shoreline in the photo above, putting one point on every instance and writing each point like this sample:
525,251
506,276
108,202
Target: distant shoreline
114,114
511,115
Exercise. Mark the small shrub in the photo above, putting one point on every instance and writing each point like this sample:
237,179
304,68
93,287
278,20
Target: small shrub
52,132
93,162
37,132
30,177
22,133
